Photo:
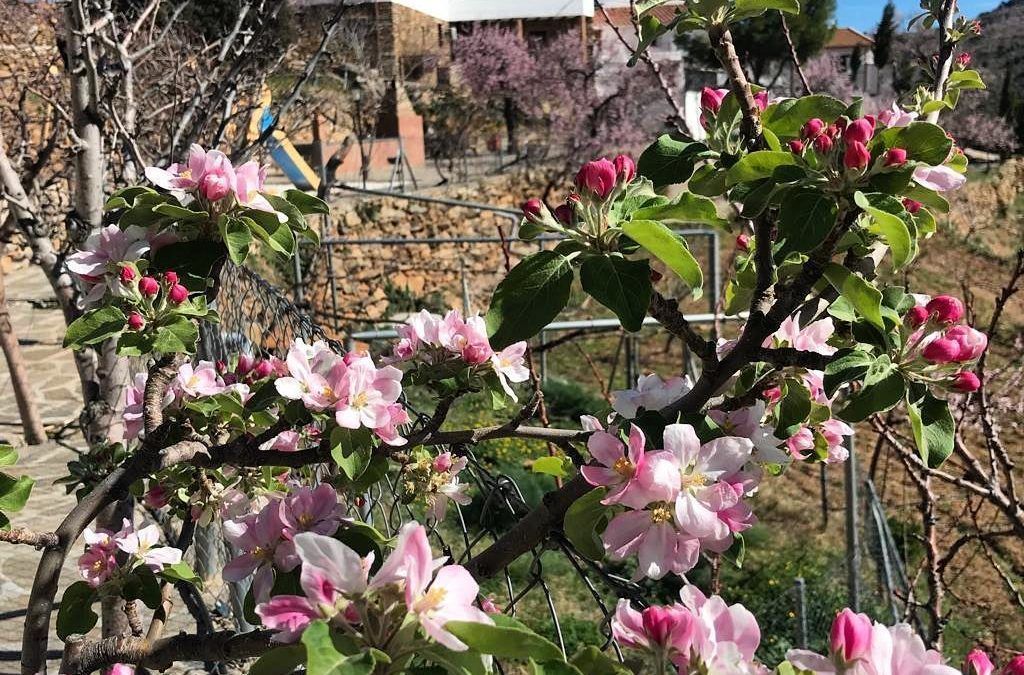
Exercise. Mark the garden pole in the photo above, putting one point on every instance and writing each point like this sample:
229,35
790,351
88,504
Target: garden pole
852,533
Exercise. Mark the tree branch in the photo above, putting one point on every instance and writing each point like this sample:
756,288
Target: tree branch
667,313
21,535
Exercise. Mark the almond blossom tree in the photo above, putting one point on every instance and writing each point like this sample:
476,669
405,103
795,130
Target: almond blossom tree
281,453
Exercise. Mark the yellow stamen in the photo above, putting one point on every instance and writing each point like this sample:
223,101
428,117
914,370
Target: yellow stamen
360,400
661,513
694,480
431,600
624,467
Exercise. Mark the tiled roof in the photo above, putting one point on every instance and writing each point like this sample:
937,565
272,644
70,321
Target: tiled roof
844,38
620,16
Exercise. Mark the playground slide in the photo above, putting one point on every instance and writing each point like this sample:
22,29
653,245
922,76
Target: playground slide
284,153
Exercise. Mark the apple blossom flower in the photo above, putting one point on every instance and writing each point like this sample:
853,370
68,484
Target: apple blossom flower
1015,666
823,143
668,632
911,205
746,423
945,308
651,393
257,536
249,179
895,116
366,394
850,638
98,264
895,157
131,414
971,342
761,100
619,468
653,536
198,380
711,99
286,441
97,565
142,544
978,662
177,294
856,155
730,634
156,497
859,131
467,338
938,178
510,366
449,596
796,146
444,485
811,338
388,432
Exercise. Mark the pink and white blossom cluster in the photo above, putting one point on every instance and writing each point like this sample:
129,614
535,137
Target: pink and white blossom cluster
352,387
434,480
679,500
108,262
651,393
266,539
210,176
434,340
337,588
700,634
99,564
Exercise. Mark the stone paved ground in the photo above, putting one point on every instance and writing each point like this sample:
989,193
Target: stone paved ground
40,327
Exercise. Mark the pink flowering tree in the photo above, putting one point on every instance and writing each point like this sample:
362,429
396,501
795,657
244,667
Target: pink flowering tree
279,453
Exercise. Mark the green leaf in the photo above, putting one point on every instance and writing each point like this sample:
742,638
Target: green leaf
883,388
934,429
758,165
296,221
593,661
553,668
846,366
668,247
506,639
864,297
14,492
787,117
306,203
177,337
468,662
621,285
181,571
143,585
237,237
271,231
686,208
351,450
180,214
750,8
965,79
552,466
75,614
708,181
323,656
8,455
529,298
806,217
583,522
924,142
668,161
192,260
794,408
279,660
94,326
890,228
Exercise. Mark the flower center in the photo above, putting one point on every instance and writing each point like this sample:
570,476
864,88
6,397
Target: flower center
693,480
305,520
360,400
624,467
661,513
99,565
431,600
327,392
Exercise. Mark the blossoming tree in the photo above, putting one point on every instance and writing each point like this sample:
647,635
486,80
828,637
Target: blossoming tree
280,452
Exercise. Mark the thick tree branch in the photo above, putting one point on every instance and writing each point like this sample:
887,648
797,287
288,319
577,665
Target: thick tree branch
945,60
667,313
21,535
725,50
161,654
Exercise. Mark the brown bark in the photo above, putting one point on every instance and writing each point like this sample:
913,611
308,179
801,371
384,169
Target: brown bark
31,422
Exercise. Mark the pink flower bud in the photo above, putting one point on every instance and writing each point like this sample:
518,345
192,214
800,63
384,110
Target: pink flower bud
859,131
813,128
761,100
896,157
942,350
126,274
215,186
796,147
856,155
1015,666
246,362
625,168
178,294
667,625
262,369
157,497
597,177
171,277
911,206
946,308
851,636
963,59
773,395
533,209
916,316
978,662
564,213
967,382
135,321
971,342
149,286
442,462
711,99
975,27
743,242
351,614
823,144
488,605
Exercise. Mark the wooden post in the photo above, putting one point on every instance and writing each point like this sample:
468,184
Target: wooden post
31,423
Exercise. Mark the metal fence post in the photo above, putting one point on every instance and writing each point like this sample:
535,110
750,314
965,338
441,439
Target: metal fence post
852,528
800,589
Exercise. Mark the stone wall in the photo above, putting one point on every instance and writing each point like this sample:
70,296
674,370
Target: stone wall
378,281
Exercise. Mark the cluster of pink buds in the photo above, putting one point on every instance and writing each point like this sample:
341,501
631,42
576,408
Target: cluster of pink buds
584,210
250,369
711,102
849,138
940,345
151,296
963,60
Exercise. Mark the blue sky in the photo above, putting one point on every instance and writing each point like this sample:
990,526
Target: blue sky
864,14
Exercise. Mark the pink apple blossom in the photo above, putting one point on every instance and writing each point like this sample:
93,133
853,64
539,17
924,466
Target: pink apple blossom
366,394
198,380
619,468
668,632
651,393
653,536
249,179
510,366
257,536
98,262
445,486
747,423
97,565
971,342
142,544
449,596
939,178
315,376
811,338
597,178
978,663
465,337
895,116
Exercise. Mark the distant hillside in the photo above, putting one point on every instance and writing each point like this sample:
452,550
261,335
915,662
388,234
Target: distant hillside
1000,47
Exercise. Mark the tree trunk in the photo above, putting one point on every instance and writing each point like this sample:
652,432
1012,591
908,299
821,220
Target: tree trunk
31,423
511,125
